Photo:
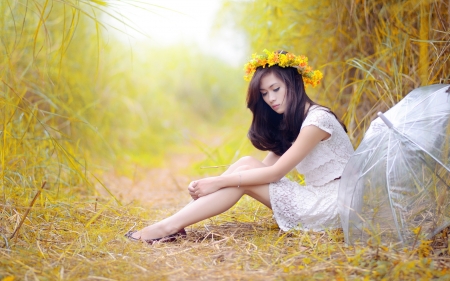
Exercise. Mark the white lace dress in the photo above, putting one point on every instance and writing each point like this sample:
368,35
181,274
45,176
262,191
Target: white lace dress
313,207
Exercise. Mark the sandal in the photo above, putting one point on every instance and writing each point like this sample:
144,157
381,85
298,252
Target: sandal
169,238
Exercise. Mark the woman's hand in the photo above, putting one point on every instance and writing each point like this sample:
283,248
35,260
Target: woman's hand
191,189
203,187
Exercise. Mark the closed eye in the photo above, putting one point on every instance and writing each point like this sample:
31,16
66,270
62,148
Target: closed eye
263,94
276,90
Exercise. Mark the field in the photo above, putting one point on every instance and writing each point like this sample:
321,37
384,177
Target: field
98,138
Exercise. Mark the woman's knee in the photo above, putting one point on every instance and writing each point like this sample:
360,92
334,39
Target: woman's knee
243,168
250,162
244,163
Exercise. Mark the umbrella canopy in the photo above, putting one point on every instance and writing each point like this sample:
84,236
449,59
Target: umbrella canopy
396,185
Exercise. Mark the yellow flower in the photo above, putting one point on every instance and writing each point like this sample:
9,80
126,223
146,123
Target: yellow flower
283,60
268,58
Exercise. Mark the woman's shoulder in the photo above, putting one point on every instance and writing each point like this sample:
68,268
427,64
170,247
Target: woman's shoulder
321,117
317,112
315,108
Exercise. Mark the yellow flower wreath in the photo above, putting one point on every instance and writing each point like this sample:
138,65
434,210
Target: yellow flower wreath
310,76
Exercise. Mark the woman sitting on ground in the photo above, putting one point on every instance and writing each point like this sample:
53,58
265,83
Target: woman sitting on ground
298,133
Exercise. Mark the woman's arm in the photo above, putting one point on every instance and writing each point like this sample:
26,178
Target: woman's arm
308,138
271,158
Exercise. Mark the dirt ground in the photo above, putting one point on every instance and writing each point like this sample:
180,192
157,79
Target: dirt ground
153,188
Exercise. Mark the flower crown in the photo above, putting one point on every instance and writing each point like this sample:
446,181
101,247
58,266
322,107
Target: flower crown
283,59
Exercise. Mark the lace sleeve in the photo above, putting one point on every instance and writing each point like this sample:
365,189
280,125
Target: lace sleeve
320,118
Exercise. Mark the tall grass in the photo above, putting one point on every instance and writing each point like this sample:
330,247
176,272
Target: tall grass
38,117
65,82
372,53
74,104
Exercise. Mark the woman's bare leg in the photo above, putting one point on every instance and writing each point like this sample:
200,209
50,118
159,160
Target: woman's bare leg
208,206
244,163
205,207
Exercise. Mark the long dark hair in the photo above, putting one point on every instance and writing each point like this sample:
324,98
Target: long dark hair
269,130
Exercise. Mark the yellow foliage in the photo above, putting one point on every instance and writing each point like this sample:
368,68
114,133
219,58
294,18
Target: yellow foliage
372,53
100,2
425,248
417,230
306,260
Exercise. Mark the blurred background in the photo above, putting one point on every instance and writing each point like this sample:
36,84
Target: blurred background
95,94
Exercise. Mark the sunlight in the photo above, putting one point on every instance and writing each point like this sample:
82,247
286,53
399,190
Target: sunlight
159,23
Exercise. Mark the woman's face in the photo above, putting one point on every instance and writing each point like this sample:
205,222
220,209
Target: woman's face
273,91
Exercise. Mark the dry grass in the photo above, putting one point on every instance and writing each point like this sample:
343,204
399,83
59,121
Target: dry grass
372,53
81,237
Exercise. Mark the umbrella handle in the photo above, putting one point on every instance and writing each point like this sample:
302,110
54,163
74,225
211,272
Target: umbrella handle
385,120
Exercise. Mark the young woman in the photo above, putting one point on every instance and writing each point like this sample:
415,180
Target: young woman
297,132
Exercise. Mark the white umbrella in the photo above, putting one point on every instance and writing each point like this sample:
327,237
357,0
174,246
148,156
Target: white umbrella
396,185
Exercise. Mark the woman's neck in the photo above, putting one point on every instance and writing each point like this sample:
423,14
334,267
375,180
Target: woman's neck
307,106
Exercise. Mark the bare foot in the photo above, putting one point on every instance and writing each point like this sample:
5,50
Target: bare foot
151,232
141,234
